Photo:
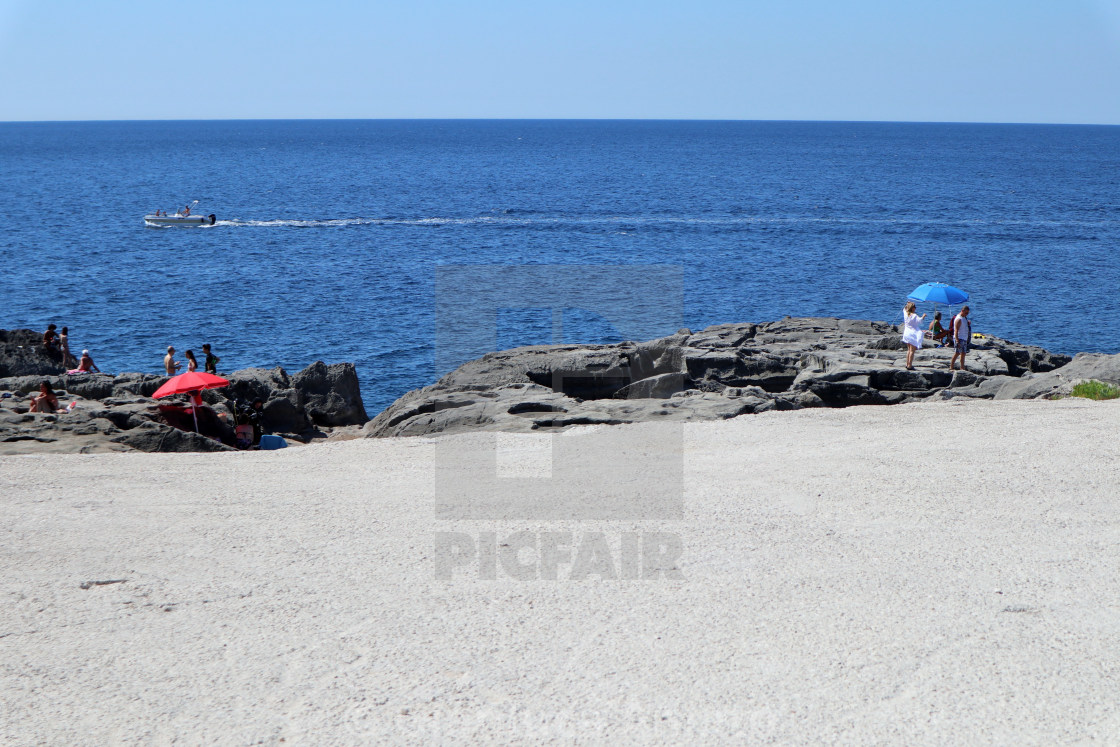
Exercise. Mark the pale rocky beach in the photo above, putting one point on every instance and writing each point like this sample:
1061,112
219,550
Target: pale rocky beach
915,574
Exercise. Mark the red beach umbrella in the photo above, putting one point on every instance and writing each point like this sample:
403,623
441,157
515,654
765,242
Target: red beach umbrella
192,381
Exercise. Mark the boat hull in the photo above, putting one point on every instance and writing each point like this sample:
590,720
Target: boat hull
179,220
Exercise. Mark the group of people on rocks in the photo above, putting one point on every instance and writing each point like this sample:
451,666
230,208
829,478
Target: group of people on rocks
248,417
59,343
959,334
172,366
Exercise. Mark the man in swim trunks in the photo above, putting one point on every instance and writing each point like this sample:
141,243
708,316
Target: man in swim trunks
962,336
169,363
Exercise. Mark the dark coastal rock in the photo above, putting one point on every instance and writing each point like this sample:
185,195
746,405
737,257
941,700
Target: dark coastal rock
659,386
90,386
330,394
154,437
137,384
1060,381
22,354
720,372
283,415
250,384
117,413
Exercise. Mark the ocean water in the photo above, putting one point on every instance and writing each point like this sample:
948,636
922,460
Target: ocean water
330,232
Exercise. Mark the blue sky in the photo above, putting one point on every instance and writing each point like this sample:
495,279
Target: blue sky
976,61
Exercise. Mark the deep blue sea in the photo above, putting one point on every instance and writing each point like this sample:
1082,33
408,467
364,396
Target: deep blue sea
330,232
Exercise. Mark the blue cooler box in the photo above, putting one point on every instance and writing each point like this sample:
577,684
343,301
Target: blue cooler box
268,443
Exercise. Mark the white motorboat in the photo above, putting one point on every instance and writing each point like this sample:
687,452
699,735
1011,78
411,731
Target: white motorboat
180,218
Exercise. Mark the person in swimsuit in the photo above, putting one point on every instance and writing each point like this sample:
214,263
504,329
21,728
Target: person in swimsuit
86,364
936,331
64,346
169,363
962,336
45,400
192,364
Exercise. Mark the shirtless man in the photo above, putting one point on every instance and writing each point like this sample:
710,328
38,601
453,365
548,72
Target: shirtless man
86,364
169,363
50,337
962,336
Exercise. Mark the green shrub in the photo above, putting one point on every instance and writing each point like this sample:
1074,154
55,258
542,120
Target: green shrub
1094,389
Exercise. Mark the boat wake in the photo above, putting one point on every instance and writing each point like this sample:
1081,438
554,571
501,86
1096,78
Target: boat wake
730,222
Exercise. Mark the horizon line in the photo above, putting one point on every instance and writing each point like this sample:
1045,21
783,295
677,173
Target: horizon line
554,119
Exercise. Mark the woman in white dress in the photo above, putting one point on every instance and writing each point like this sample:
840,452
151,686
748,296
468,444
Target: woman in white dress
911,333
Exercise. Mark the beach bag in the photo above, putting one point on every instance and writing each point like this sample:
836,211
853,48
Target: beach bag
243,435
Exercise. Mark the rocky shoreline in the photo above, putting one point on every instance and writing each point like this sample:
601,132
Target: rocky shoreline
722,372
117,413
717,373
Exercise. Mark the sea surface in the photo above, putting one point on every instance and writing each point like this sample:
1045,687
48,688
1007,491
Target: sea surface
330,233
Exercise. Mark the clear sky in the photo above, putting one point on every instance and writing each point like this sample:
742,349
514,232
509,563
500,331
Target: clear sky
917,60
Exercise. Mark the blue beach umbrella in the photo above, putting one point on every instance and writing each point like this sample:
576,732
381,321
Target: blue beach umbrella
938,293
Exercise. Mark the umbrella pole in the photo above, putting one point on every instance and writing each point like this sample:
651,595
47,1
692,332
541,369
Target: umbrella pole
194,411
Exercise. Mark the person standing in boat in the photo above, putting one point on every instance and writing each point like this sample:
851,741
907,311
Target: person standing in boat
186,211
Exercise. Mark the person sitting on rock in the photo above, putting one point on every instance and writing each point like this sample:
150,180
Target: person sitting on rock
50,338
937,332
86,364
46,400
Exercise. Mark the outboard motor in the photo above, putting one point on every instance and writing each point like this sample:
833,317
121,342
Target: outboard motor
212,218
